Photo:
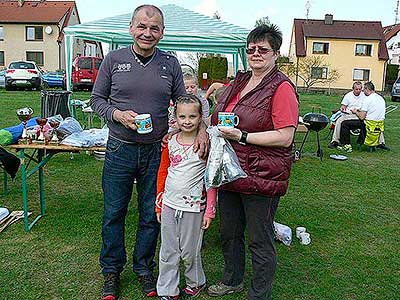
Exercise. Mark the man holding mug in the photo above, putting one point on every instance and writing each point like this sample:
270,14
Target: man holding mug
139,79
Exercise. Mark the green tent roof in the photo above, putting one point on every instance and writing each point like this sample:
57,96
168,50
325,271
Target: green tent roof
185,30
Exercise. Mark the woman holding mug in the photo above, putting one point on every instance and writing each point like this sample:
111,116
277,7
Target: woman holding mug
265,101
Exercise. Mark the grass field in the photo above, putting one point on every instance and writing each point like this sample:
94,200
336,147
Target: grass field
351,209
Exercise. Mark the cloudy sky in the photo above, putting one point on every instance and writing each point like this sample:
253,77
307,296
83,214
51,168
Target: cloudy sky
245,13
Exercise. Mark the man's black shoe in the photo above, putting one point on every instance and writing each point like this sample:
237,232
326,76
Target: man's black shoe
148,285
333,145
383,147
110,287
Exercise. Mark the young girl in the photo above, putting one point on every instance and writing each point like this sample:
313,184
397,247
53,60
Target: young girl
181,206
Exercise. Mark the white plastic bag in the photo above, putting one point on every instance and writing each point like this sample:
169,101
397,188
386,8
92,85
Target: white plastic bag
87,138
222,165
283,233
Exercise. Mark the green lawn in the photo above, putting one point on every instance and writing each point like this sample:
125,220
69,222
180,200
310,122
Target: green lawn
351,209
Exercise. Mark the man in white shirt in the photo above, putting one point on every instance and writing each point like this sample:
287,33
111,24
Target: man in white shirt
373,108
351,100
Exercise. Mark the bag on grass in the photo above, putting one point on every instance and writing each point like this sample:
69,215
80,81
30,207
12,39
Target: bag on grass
222,165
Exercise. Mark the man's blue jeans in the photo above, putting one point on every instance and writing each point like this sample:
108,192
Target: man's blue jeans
123,163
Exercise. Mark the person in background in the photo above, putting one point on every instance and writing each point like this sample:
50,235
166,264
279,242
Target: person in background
182,208
135,80
192,88
352,99
266,103
370,115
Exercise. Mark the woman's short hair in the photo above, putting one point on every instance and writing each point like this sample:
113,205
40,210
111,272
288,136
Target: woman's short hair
271,33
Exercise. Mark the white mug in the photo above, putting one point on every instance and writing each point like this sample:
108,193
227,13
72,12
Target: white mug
143,123
227,119
305,238
300,230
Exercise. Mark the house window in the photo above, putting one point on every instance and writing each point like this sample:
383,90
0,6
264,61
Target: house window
34,33
2,58
37,57
319,72
363,50
361,74
1,33
320,48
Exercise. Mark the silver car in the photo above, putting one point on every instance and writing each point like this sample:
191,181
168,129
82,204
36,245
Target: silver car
24,74
2,78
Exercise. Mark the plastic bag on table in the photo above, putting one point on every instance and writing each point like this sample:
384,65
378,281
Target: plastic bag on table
67,127
87,138
222,165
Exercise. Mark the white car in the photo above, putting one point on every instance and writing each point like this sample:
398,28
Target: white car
24,74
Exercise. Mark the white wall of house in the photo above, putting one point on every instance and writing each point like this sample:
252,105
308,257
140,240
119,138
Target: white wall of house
393,46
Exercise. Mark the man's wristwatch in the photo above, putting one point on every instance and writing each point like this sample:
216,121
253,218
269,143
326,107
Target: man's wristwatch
243,138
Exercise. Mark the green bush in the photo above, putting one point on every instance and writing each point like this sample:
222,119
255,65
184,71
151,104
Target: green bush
216,68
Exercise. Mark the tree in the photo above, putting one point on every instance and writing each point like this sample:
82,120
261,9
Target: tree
313,70
216,15
263,21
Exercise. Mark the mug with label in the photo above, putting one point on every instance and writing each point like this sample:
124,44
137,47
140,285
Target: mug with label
227,119
143,123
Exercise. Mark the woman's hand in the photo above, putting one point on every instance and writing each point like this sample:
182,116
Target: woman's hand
231,133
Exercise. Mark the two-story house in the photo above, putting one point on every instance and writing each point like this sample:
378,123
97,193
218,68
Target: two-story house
33,30
355,49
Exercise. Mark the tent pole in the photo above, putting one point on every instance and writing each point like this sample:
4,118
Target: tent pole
69,41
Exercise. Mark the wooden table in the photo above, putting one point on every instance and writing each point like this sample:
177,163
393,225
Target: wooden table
44,154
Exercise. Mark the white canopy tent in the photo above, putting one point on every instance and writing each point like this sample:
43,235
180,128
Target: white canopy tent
185,30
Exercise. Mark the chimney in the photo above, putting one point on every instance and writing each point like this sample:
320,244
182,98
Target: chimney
328,19
21,3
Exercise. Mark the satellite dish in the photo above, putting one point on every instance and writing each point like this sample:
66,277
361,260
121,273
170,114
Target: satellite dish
48,30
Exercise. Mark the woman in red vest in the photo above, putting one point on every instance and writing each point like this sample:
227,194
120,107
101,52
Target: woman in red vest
266,103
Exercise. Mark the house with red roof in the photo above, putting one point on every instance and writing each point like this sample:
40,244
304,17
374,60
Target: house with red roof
392,37
33,30
356,50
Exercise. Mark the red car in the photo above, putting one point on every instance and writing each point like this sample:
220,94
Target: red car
84,71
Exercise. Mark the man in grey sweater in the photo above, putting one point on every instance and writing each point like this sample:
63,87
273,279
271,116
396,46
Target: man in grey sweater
131,81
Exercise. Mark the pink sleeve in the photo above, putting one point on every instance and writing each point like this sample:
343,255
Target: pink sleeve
211,201
285,107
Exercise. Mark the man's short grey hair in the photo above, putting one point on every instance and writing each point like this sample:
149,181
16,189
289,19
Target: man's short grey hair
357,83
150,10
369,85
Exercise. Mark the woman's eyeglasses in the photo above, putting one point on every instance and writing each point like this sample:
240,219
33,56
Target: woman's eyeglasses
261,50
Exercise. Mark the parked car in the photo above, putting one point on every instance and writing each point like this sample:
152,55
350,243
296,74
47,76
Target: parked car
53,79
396,90
2,78
84,71
24,74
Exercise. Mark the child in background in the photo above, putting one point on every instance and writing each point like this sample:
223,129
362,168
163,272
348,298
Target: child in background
181,206
192,88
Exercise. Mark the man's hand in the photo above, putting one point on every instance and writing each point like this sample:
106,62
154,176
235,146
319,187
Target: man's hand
158,214
126,118
206,223
201,142
167,137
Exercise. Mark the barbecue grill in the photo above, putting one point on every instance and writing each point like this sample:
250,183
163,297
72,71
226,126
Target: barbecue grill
314,122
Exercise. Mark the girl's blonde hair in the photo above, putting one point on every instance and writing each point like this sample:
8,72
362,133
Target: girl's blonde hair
187,99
